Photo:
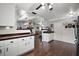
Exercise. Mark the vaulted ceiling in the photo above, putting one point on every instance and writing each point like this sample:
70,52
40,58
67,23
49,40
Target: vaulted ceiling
59,9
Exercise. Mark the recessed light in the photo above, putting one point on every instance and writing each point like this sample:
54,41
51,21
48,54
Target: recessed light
7,27
43,7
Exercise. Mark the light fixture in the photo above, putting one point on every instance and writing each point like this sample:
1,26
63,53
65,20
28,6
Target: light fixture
22,15
22,12
47,4
71,13
7,27
25,23
43,7
50,6
43,4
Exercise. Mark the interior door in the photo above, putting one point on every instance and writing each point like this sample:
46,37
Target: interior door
68,35
58,32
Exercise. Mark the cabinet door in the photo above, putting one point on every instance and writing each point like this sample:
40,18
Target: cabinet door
11,50
1,51
22,45
68,35
51,36
58,33
30,43
7,14
46,37
2,43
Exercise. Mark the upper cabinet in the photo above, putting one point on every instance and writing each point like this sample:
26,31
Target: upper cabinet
7,14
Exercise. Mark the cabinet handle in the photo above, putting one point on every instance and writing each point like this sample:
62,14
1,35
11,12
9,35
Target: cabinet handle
23,39
7,50
0,51
11,41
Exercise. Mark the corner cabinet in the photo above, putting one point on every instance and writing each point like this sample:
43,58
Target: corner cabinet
7,14
16,46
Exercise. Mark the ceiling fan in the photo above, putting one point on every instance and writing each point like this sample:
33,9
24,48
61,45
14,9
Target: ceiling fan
43,6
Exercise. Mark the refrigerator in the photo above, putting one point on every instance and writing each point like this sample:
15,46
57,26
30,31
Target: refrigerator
77,37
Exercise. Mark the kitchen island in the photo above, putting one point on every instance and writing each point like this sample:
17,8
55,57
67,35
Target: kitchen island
47,36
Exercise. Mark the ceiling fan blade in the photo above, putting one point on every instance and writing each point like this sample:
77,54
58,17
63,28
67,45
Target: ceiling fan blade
50,8
34,13
38,7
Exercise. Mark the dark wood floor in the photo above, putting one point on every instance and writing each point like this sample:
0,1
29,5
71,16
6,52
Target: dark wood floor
54,48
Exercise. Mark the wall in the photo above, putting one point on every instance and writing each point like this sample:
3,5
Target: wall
63,34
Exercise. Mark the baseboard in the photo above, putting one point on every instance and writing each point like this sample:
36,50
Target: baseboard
50,41
25,54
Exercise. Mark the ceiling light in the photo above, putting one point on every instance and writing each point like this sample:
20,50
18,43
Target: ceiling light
25,23
43,4
47,4
50,6
7,27
71,15
43,7
22,12
71,12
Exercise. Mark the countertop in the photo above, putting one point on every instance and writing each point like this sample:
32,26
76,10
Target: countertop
48,32
14,35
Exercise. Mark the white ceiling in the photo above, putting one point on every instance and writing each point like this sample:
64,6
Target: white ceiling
59,9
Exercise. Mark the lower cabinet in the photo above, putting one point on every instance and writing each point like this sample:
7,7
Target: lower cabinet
26,44
22,45
11,50
2,48
31,43
1,51
17,46
47,37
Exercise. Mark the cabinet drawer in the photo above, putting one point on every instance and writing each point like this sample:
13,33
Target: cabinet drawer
22,39
11,41
2,43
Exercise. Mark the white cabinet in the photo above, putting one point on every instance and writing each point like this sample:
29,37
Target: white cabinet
31,43
51,36
16,46
11,47
22,45
1,48
11,50
7,14
25,44
47,37
1,51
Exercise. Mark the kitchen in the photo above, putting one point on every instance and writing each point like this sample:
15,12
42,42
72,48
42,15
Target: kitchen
28,27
